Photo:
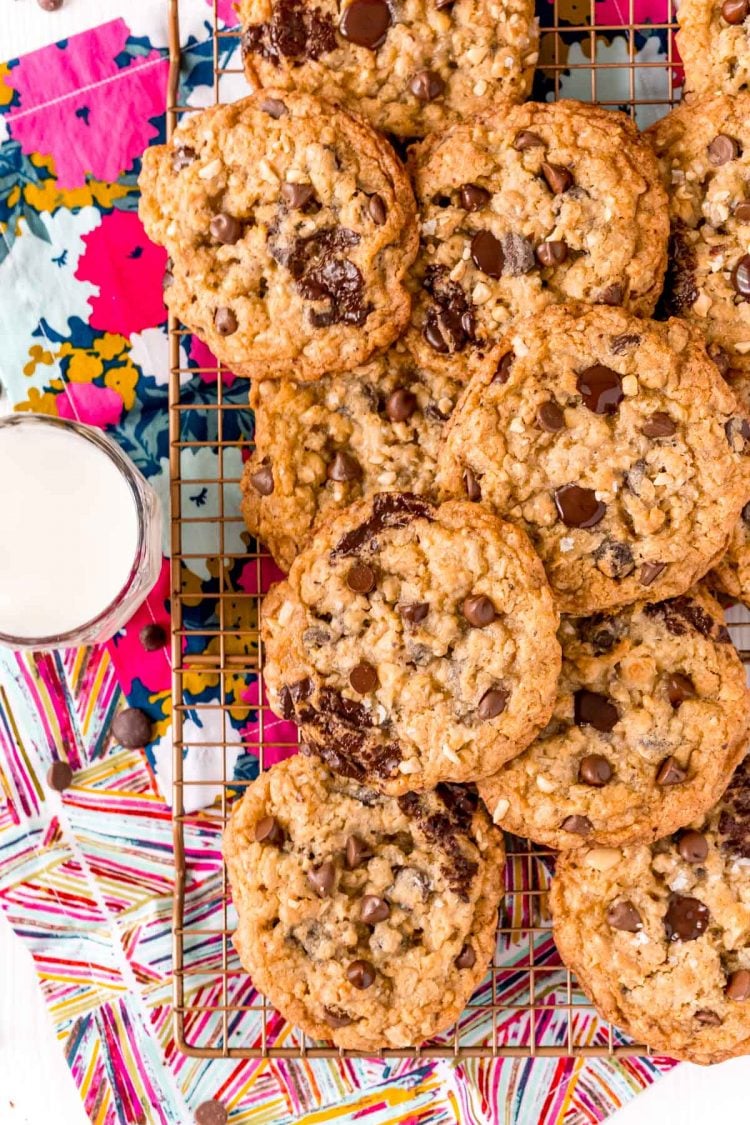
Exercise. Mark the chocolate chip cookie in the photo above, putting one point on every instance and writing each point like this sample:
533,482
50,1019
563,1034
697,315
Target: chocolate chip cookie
365,919
704,154
320,446
659,936
651,718
413,644
409,69
614,442
714,44
531,207
731,575
290,225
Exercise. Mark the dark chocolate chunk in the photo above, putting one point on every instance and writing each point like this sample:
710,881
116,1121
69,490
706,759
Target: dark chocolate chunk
334,1017
693,846
297,196
650,571
492,703
389,509
558,179
426,85
361,974
364,678
614,559
680,287
550,418
686,918
579,507
612,295
473,197
296,30
366,23
552,253
357,851
741,277
526,139
738,985
449,322
400,405
679,688
414,612
487,253
378,210
735,12
595,710
601,389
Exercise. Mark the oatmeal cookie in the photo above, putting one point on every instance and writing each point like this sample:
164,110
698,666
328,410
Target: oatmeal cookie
651,718
731,575
320,446
614,442
714,45
537,205
659,935
290,225
365,919
409,70
413,644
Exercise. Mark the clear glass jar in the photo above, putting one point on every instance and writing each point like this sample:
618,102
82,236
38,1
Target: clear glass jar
80,534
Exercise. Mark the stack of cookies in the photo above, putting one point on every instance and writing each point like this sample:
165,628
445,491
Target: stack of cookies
502,494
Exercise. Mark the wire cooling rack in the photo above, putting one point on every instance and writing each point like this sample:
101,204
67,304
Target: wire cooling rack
620,55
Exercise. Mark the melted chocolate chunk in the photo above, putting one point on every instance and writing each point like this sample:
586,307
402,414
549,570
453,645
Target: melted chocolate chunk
322,274
366,23
601,389
595,710
625,343
449,323
447,830
291,694
487,253
296,30
686,918
601,632
682,614
579,507
680,288
734,819
389,509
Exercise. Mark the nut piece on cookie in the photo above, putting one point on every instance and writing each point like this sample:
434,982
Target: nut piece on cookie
290,225
635,489
651,718
409,71
413,643
367,920
658,934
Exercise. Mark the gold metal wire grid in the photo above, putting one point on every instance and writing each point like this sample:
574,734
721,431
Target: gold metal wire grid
529,1004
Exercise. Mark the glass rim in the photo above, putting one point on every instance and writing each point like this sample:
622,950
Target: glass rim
131,476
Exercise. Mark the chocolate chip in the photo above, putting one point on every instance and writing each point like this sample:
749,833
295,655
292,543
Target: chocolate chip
550,418
723,149
322,878
686,918
518,255
414,612
708,1017
449,322
291,694
741,276
435,338
364,678
612,295
478,611
735,12
366,23
738,985
492,703
211,1113
373,909
595,710
273,107
59,776
552,253
225,229
742,212
526,139
361,579
400,405
344,467
487,253
680,288
225,322
624,343
152,637
670,772
473,197
378,210
467,958
558,179
334,1017
471,485
659,425
595,770
679,688
182,157
502,373
600,388
262,480
624,916
650,571
579,507
361,974
269,831
132,728
426,85
297,196
693,847
578,825
357,851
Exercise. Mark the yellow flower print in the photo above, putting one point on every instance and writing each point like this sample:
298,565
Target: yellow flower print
123,380
38,355
83,367
111,344
42,402
6,89
48,197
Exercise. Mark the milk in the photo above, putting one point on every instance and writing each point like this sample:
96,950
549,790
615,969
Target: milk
71,532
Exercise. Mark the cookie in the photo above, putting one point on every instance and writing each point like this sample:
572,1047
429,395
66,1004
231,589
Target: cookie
290,225
409,71
731,575
704,154
364,919
714,45
614,442
320,446
535,206
659,936
651,718
413,644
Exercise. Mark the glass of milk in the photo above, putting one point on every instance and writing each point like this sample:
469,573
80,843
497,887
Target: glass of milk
80,534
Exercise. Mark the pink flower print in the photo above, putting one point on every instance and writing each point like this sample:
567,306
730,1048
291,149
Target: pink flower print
226,11
89,403
128,269
78,105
